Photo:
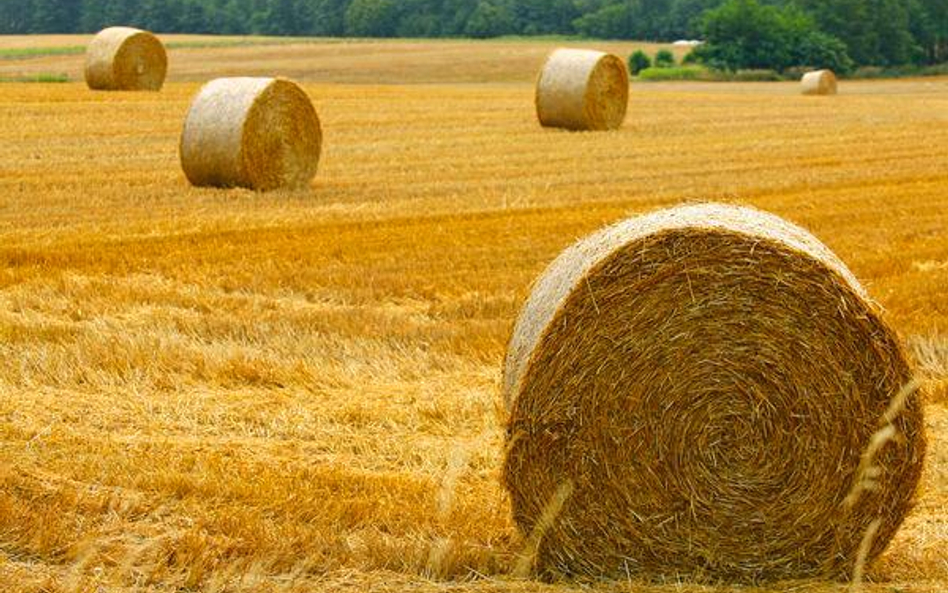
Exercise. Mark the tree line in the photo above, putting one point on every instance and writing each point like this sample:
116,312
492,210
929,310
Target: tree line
873,32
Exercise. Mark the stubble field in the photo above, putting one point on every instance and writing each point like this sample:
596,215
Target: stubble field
217,390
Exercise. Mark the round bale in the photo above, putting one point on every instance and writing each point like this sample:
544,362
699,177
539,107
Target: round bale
258,133
580,89
125,59
819,82
705,381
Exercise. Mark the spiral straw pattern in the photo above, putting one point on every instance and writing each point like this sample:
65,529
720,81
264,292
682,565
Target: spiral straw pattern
581,89
707,378
258,133
125,59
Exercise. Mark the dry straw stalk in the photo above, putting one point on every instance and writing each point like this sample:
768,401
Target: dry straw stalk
819,82
581,89
258,133
125,59
707,377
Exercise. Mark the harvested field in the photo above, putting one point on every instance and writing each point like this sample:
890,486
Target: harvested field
221,390
397,61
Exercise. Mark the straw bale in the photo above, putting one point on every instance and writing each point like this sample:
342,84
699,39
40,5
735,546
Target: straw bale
819,82
258,133
125,59
581,89
707,379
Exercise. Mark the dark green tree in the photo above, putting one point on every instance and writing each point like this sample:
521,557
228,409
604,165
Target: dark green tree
454,15
55,16
419,18
258,17
746,34
684,18
930,27
193,12
119,12
284,18
325,18
371,18
16,16
489,19
157,15
93,16
639,61
874,31
652,19
818,50
227,17
612,21
538,17
664,59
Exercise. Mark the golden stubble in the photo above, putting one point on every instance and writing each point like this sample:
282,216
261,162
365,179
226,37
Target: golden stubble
298,391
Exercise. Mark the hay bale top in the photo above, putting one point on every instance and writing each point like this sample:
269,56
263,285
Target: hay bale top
124,58
819,82
582,89
702,383
568,270
258,133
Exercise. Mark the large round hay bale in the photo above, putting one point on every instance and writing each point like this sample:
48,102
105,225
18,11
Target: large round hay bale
580,89
125,59
819,82
704,380
258,133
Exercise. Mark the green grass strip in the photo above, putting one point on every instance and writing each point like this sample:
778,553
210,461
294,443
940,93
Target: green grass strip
41,77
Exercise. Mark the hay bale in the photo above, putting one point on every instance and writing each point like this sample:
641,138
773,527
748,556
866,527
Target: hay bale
581,89
125,59
706,379
258,133
819,82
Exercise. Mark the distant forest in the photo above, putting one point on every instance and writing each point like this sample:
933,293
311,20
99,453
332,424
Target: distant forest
876,32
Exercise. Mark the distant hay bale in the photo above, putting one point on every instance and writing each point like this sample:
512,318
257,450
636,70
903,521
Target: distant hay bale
258,133
125,59
581,89
704,380
819,82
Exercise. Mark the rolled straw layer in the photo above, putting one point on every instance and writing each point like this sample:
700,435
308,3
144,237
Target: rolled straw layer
582,89
123,58
258,133
819,82
706,380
